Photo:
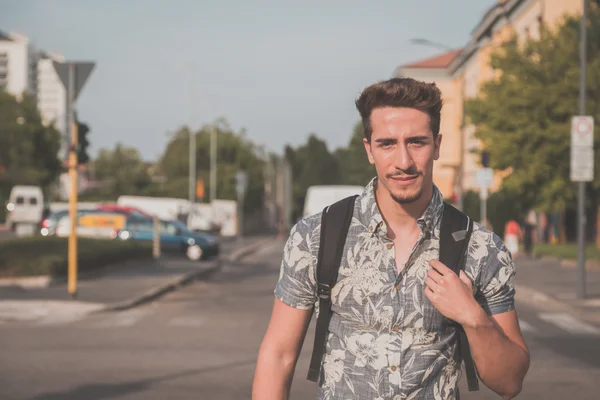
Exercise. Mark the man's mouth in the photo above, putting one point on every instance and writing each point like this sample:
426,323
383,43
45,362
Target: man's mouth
404,179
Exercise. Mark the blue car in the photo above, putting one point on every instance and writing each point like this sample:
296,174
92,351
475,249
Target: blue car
175,238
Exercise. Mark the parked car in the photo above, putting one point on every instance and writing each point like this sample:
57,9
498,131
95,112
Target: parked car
25,206
124,209
175,238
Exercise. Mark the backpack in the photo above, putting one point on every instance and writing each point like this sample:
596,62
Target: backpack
455,232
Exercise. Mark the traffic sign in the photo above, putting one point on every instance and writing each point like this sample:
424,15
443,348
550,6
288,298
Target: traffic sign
485,177
241,179
582,149
81,72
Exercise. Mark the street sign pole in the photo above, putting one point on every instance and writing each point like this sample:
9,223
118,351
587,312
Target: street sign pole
73,76
581,285
241,185
485,179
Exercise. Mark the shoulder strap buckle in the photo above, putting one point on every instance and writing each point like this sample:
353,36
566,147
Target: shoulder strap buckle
324,291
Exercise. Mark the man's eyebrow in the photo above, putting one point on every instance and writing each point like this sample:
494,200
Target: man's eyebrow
386,140
394,140
420,138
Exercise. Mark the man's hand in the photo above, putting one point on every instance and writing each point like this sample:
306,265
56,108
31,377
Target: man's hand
452,295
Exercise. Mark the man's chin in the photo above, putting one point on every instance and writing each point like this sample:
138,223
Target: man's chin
407,195
406,198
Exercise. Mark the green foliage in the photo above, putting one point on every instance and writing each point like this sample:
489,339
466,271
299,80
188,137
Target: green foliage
312,164
122,172
28,149
48,255
523,117
566,251
502,206
354,165
234,152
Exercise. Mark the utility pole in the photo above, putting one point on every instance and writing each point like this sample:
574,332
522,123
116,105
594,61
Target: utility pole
192,150
213,157
581,281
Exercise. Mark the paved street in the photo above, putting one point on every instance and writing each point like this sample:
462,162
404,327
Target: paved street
201,343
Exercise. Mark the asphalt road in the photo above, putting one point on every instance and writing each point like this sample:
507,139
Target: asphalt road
201,342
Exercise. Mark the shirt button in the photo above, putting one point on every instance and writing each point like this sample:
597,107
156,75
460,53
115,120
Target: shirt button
398,287
389,246
396,328
394,368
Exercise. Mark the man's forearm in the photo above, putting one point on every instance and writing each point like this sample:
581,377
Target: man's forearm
273,377
501,363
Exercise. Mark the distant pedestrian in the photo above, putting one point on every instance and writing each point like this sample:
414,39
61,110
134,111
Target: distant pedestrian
512,236
397,319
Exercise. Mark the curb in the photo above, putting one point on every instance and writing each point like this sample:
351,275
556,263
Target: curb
161,290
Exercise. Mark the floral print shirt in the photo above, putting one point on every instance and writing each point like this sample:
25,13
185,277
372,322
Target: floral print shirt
386,340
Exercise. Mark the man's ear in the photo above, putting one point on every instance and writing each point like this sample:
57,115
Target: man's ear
368,150
438,144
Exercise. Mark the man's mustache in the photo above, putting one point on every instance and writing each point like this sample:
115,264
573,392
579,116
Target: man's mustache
404,174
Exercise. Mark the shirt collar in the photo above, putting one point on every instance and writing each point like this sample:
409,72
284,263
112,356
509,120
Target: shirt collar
371,217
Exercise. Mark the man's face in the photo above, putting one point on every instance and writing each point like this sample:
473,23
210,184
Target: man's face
403,149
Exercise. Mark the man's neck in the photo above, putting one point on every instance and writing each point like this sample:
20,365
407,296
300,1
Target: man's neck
401,219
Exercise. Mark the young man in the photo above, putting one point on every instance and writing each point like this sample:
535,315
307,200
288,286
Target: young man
388,335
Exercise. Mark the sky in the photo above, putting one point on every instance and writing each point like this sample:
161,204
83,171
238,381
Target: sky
279,69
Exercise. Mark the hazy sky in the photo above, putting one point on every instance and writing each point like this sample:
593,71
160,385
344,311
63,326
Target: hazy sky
281,69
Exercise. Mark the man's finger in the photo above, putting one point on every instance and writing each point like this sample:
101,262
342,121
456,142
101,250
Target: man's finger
433,274
440,267
431,284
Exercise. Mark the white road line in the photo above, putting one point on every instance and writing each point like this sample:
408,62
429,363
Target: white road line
526,326
569,323
55,320
191,322
124,318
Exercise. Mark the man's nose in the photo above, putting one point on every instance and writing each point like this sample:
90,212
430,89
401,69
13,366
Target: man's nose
402,158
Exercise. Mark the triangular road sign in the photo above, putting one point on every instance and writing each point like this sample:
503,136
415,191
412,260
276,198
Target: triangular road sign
81,70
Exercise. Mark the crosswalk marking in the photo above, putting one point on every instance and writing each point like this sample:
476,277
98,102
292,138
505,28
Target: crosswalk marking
526,326
569,323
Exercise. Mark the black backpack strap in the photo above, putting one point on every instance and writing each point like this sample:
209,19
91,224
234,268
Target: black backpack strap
335,224
455,233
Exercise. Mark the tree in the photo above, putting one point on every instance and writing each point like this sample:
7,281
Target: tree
234,152
523,117
312,164
28,149
121,171
354,165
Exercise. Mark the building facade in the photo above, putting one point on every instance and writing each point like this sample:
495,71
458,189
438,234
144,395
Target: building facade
17,64
23,69
461,73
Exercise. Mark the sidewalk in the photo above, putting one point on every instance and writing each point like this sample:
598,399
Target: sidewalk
121,286
548,283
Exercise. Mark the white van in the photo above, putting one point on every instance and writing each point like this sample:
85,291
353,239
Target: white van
25,206
319,197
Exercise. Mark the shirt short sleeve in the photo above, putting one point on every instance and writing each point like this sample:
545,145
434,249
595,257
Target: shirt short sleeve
297,286
497,293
